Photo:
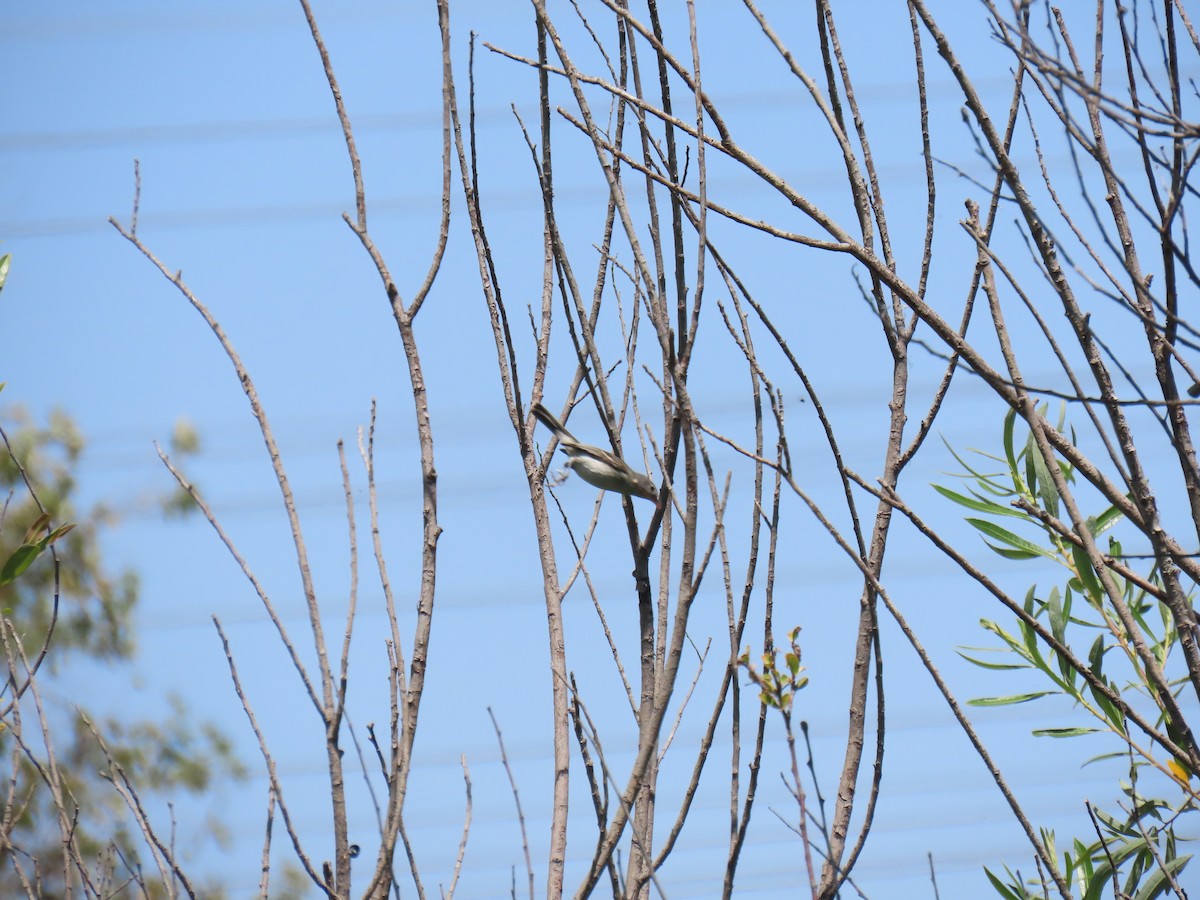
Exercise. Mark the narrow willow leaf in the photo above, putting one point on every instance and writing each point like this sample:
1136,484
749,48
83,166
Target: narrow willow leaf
1087,575
1049,843
1105,757
1096,656
962,462
1047,490
36,527
1105,521
1019,555
1083,859
979,505
1112,712
1058,621
1033,651
1037,476
990,665
21,559
1070,676
1009,451
1004,536
1101,883
1013,644
1157,883
1000,887
60,531
1010,700
1063,732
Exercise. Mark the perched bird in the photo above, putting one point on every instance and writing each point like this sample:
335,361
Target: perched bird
598,467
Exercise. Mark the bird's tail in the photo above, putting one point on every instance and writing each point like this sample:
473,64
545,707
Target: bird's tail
547,418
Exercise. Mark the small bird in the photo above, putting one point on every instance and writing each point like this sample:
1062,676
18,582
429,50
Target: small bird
597,467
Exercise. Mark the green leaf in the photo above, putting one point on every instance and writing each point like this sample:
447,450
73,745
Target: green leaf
1014,645
1000,887
1010,700
1058,620
1049,842
979,504
36,527
1096,656
5,263
1099,885
1112,712
1083,861
1104,757
1041,482
1157,883
21,560
1033,473
994,531
1106,520
1063,732
984,481
1010,420
1032,648
1019,555
989,665
1087,575
57,533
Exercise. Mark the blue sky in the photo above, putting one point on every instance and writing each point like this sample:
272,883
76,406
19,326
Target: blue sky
244,178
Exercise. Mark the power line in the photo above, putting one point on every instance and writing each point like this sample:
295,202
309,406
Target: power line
201,132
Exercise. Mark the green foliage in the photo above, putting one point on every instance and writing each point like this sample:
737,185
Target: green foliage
31,547
778,687
94,605
58,741
1089,658
1142,847
185,441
